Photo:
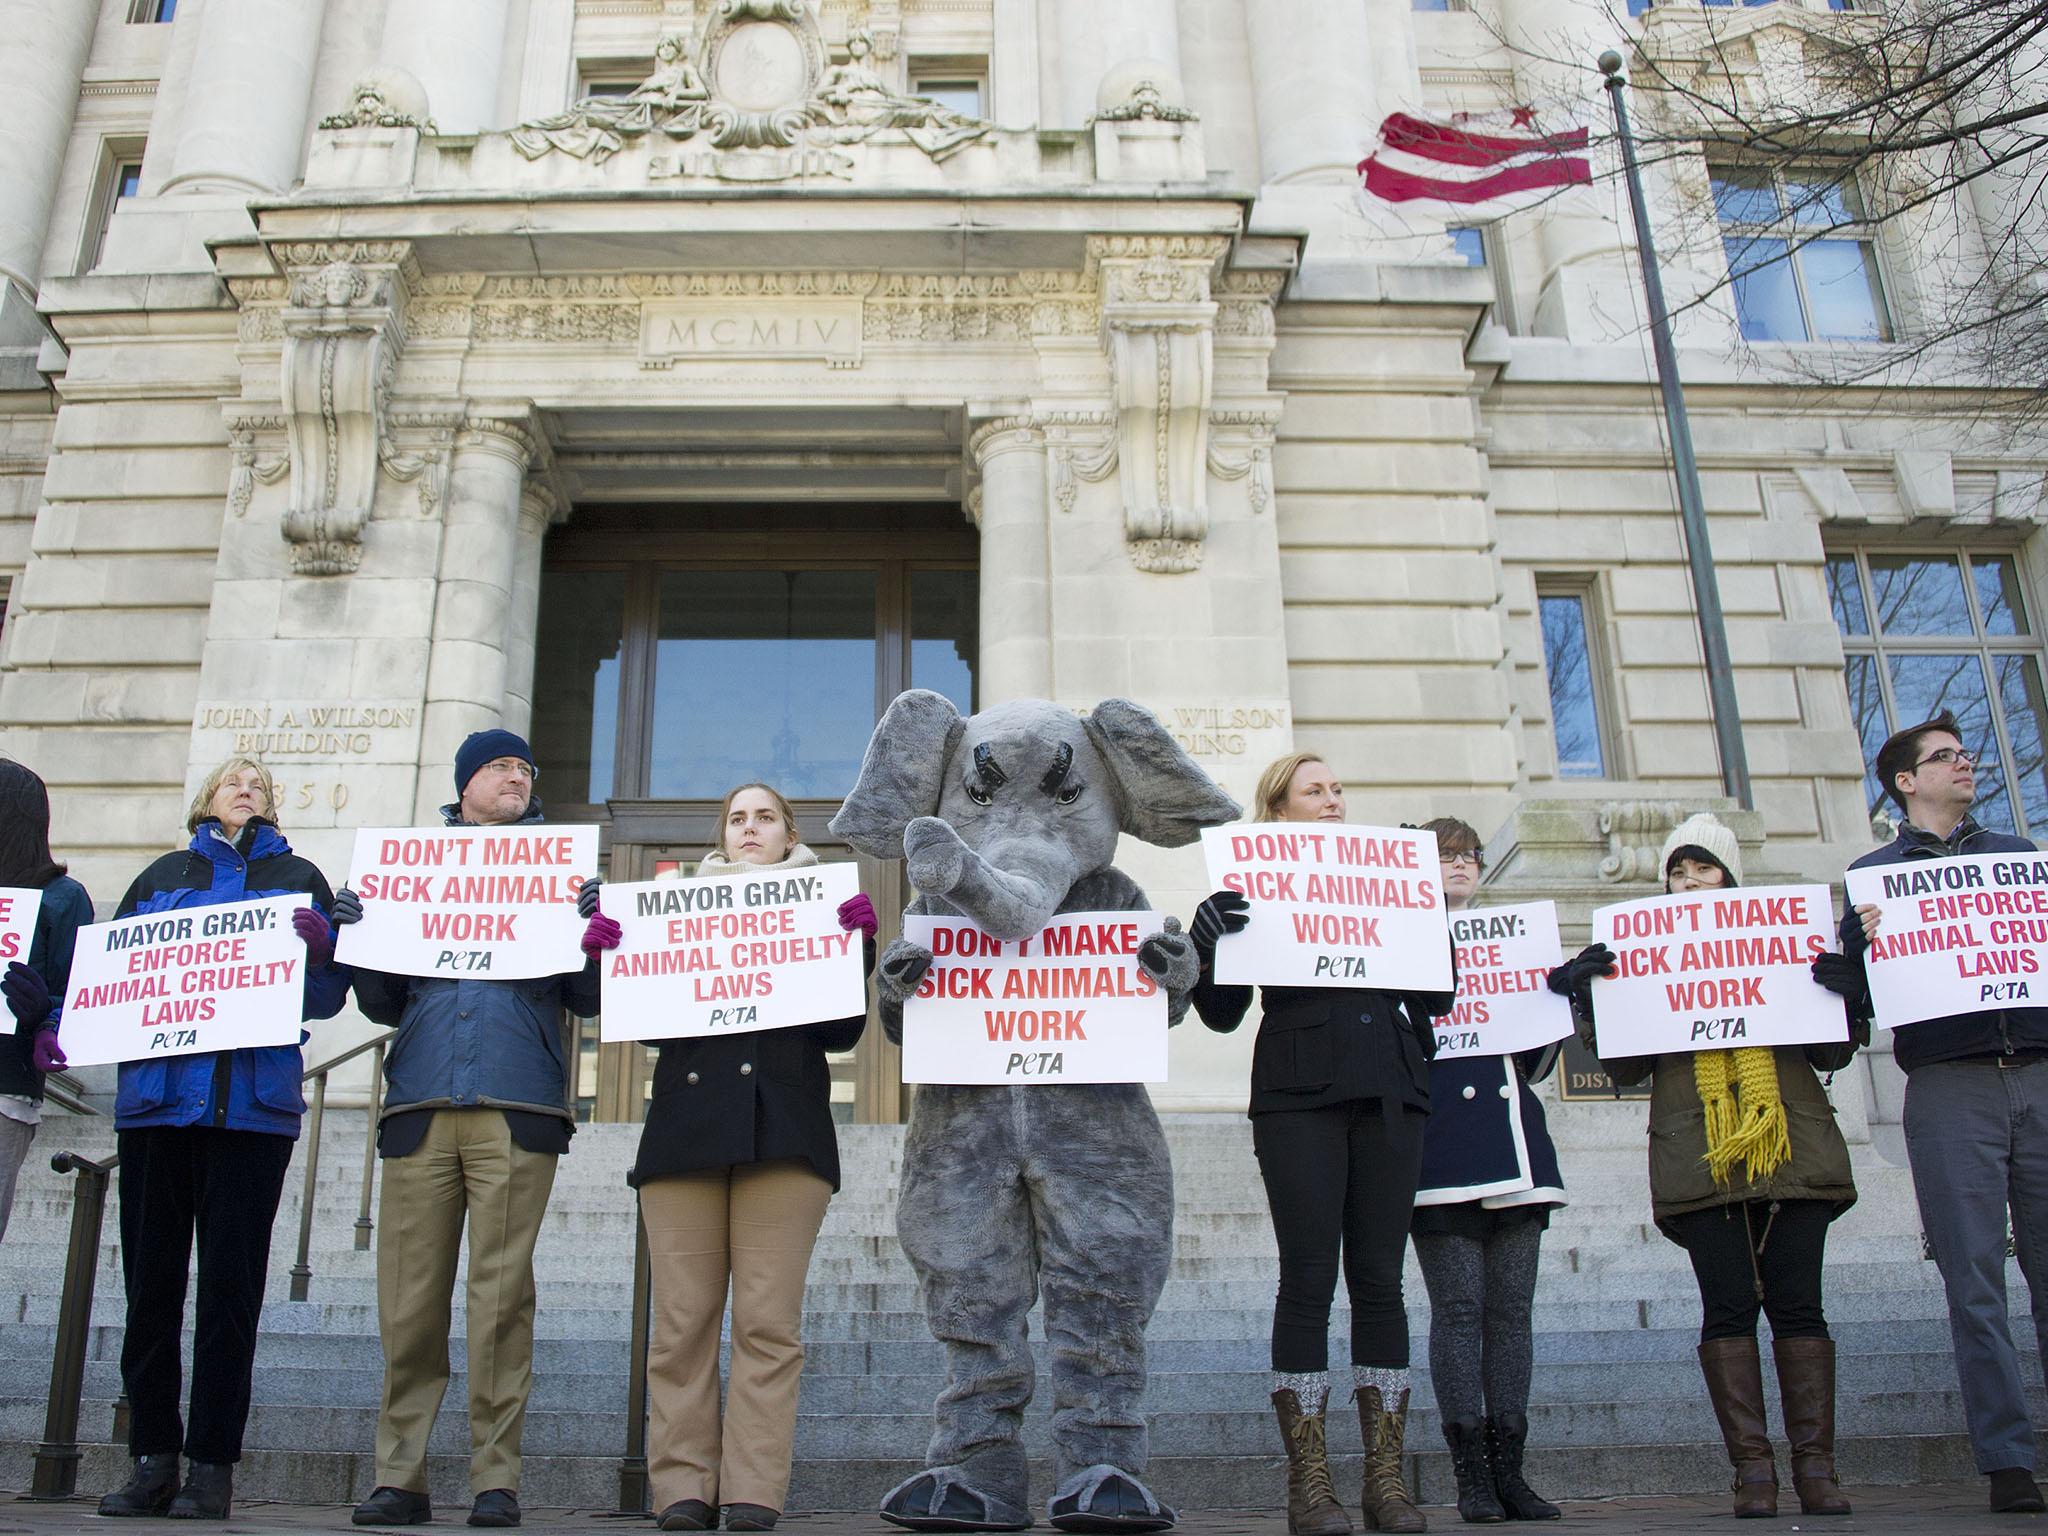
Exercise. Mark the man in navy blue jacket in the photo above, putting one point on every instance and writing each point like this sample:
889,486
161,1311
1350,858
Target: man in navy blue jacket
475,1115
1976,1116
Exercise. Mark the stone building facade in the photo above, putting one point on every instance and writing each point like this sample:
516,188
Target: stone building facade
652,375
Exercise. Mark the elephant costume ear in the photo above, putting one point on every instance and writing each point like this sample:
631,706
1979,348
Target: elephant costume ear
1167,799
903,773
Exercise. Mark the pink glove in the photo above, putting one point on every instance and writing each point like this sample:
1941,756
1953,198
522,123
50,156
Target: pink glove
48,1055
600,934
858,912
318,933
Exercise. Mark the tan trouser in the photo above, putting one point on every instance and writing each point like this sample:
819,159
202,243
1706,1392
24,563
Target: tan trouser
468,1164
756,1223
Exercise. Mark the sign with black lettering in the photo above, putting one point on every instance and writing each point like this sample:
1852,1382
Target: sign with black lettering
1957,935
1067,1005
1505,956
1707,970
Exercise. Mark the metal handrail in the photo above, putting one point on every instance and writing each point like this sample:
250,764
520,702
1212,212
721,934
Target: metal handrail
57,1457
633,1482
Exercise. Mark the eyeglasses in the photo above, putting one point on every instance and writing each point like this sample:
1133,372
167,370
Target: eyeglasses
514,765
1468,857
1948,756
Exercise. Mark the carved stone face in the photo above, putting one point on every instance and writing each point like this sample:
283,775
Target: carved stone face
340,284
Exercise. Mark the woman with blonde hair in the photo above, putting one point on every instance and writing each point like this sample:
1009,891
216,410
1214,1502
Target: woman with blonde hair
1747,1169
1339,1098
737,1162
204,1142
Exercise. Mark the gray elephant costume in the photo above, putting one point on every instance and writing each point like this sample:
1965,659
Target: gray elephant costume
1007,818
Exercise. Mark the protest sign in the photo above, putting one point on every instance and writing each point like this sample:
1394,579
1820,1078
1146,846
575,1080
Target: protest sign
211,978
730,954
469,901
1707,970
1505,956
1067,1005
19,905
1957,936
1332,906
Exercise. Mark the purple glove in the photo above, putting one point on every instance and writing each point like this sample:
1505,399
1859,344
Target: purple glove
48,1055
318,933
858,912
600,934
27,994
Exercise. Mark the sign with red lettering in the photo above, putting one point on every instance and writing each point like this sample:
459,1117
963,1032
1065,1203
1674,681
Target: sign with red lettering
496,902
174,983
19,905
1332,906
1707,970
1957,936
729,954
1505,956
1067,1005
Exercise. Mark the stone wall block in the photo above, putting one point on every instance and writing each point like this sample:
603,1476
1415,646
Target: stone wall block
167,472
264,669
245,610
64,753
103,637
390,668
466,671
394,608
85,528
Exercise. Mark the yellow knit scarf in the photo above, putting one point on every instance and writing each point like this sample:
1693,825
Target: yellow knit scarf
1745,1117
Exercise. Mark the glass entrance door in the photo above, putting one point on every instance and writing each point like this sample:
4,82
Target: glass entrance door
681,653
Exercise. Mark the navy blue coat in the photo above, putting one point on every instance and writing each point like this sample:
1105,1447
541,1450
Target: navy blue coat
1994,1031
1486,1138
66,908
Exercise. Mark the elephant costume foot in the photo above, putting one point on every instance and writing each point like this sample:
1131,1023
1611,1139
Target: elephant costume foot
941,1499
1106,1499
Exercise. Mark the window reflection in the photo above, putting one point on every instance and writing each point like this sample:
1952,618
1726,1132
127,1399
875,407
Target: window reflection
1919,595
1567,663
1923,686
576,683
945,633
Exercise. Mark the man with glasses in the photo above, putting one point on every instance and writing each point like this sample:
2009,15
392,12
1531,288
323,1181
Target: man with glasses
475,1115
1976,1116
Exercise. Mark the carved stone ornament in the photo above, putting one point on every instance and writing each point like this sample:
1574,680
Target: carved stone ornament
1159,327
1241,448
384,98
344,325
1635,831
248,437
760,91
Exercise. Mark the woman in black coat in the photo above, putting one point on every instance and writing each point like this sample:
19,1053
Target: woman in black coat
1340,1094
738,1160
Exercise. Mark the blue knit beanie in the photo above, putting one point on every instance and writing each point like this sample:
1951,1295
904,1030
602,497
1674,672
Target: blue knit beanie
486,747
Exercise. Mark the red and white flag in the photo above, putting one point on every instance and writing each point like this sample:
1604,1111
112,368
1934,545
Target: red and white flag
1499,158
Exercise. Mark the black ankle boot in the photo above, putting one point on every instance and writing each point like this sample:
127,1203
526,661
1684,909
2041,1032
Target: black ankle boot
1506,1435
208,1492
149,1491
1477,1503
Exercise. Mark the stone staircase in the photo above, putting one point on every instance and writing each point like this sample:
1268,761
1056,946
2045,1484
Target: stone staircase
1617,1402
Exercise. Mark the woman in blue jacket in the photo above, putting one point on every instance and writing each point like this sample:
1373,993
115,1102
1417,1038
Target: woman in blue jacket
33,986
204,1142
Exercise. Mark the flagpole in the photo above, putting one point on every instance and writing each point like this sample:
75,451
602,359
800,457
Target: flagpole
1685,469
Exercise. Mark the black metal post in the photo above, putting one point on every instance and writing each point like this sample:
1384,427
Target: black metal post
633,1465
302,1269
56,1461
1685,469
363,1222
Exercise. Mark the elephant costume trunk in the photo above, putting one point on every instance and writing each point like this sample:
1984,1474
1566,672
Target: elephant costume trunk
1012,890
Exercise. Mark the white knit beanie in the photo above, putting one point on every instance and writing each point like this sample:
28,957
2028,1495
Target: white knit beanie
1703,831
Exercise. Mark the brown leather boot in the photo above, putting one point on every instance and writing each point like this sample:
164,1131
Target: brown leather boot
1387,1506
1735,1385
1806,1386
1312,1507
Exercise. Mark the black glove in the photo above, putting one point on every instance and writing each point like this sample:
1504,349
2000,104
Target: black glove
27,994
1576,974
348,908
586,899
1224,912
1844,976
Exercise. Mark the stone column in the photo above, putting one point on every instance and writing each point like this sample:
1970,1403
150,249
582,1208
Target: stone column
244,117
545,83
522,620
41,62
1013,65
480,547
1016,635
1312,72
456,49
1097,35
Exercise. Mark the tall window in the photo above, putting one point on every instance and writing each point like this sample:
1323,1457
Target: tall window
1932,630
150,11
1571,665
1802,255
958,84
120,176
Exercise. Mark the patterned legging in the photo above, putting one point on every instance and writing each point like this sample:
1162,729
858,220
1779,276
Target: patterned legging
1481,1294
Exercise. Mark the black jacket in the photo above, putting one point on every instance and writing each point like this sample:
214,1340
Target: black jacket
722,1100
1332,1045
1993,1032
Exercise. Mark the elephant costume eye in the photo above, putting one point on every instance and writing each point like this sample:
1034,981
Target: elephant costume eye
1070,794
979,795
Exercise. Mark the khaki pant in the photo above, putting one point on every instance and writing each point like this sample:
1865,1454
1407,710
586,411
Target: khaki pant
467,1164
755,1223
